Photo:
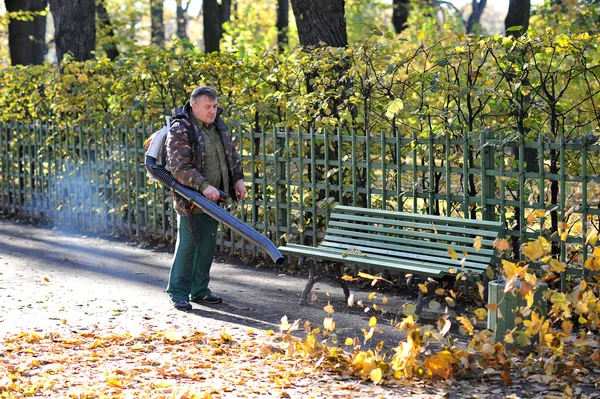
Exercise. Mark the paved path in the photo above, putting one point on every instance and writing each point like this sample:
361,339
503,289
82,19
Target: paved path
53,280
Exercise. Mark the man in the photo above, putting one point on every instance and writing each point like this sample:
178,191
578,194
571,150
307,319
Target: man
207,163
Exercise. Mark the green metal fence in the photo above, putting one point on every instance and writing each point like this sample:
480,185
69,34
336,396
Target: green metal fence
91,179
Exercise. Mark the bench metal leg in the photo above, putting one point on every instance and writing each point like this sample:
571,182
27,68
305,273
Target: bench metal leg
333,272
420,301
313,277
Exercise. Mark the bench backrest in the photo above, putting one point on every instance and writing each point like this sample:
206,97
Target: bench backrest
425,238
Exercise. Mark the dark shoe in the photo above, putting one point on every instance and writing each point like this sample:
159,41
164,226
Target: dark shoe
182,305
210,299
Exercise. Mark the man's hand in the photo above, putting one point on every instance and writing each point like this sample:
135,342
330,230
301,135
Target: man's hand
211,193
240,190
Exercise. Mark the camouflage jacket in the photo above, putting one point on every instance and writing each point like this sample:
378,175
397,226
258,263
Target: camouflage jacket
189,170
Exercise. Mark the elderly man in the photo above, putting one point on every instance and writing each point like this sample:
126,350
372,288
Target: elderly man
206,161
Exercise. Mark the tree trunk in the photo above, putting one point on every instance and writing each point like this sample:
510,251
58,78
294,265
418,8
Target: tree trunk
74,28
214,15
400,14
38,46
321,21
18,34
518,15
109,45
27,39
283,22
182,19
473,23
157,26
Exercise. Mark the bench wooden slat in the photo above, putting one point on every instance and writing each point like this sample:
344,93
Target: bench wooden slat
420,243
485,224
483,255
432,258
436,228
336,256
347,228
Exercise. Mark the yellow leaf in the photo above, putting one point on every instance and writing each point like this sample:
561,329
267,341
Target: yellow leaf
557,266
460,49
530,219
533,250
285,325
466,325
376,375
365,275
173,335
163,383
373,321
114,381
477,243
409,309
349,341
481,313
592,238
452,253
269,333
328,309
440,365
348,278
491,307
328,324
501,244
351,300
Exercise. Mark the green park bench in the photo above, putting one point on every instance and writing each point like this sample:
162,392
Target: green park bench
400,242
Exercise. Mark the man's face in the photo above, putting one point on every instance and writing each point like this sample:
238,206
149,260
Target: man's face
205,109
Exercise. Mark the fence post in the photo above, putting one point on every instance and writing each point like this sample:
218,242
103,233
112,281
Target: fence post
280,155
488,182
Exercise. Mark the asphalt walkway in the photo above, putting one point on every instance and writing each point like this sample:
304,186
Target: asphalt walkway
53,280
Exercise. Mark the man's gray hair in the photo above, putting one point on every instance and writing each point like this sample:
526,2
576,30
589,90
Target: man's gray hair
203,91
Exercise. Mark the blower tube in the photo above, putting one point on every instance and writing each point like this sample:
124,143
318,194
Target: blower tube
212,209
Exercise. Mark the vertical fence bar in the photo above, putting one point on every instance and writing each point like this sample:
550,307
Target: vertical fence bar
253,156
340,166
91,178
56,133
263,135
354,169
466,176
431,175
542,174
448,175
584,205
384,198
313,187
84,206
288,183
415,177
399,169
301,158
137,197
562,196
4,172
368,166
326,172
277,147
522,202
127,189
502,180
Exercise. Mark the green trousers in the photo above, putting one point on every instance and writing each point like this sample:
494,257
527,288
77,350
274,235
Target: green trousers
194,253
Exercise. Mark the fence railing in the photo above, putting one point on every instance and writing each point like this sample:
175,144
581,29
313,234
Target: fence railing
91,179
